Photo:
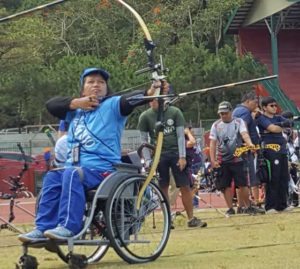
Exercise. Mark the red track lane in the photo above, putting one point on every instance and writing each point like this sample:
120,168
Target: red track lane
20,215
206,201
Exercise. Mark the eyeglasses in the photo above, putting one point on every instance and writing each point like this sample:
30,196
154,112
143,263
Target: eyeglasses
273,105
223,113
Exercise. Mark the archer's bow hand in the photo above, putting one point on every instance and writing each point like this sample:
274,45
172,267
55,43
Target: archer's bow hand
165,87
157,86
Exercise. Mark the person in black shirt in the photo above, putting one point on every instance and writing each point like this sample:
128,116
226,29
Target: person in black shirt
244,111
274,146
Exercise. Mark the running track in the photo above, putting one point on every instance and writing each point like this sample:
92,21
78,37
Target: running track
207,200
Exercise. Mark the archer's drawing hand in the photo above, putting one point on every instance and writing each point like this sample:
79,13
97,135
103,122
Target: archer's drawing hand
87,102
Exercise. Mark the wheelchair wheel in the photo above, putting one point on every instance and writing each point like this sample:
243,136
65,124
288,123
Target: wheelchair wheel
27,262
92,253
137,235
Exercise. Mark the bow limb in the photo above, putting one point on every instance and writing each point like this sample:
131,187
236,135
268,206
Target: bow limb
139,18
148,42
149,45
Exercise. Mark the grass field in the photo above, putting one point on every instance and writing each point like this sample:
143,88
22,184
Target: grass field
267,241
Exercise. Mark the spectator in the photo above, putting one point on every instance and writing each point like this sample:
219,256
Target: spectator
226,135
244,111
61,146
61,151
62,128
296,145
271,127
47,158
288,134
190,141
173,155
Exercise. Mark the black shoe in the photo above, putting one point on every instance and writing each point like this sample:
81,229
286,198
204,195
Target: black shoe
230,212
240,210
172,226
253,210
194,222
259,210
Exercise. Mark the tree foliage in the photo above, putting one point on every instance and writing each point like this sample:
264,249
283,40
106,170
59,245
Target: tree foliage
43,54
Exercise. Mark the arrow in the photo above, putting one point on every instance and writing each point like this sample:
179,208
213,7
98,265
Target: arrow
204,90
229,85
31,10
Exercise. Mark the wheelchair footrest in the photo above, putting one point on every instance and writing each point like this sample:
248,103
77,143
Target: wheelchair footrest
94,242
136,241
40,243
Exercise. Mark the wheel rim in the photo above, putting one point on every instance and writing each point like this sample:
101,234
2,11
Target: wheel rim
93,253
139,235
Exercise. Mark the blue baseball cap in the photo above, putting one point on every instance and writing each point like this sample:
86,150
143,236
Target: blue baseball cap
93,70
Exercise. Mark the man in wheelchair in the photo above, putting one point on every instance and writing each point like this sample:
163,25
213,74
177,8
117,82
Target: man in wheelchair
97,120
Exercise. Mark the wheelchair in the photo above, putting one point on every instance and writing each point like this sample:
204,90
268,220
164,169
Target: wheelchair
137,233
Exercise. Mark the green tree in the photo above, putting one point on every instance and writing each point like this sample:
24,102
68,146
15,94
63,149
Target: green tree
43,54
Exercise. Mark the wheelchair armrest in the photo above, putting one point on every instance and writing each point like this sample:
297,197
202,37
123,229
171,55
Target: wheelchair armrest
127,167
89,195
132,158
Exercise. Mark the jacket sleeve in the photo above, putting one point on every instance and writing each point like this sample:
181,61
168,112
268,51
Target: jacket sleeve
130,100
59,106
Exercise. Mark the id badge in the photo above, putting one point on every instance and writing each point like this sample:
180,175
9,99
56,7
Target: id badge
75,153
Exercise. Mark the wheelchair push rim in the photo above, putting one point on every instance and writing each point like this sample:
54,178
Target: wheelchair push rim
141,235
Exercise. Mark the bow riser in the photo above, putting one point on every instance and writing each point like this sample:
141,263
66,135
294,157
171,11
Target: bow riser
155,69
